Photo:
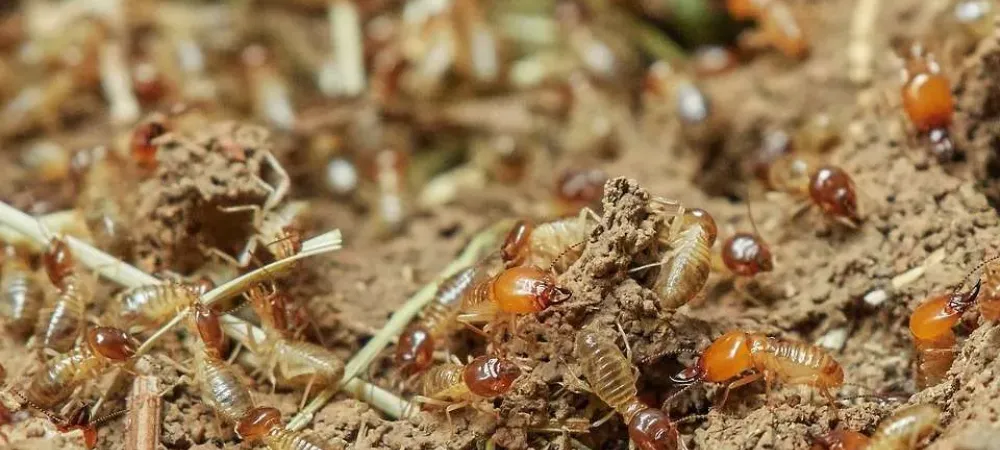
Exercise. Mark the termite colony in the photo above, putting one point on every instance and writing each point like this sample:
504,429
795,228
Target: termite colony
133,126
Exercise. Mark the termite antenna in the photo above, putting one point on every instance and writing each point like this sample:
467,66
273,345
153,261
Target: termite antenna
691,418
109,416
45,411
673,396
555,261
677,351
973,271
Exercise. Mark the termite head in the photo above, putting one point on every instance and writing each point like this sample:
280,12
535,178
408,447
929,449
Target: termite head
697,216
415,350
651,429
746,255
527,289
937,315
209,329
727,357
833,190
514,250
111,343
141,145
490,376
257,423
58,260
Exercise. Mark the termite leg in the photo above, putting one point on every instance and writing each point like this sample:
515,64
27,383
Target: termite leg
740,382
279,191
305,394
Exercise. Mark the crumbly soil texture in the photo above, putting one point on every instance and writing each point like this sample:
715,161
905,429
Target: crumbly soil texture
832,285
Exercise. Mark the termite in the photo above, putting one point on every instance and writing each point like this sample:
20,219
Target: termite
102,348
554,244
296,363
264,423
150,305
828,187
80,420
903,430
928,101
60,324
221,389
931,326
777,26
612,377
688,262
516,290
21,291
141,146
577,189
455,386
437,321
769,358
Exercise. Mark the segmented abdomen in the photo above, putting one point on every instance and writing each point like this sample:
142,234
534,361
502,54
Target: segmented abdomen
606,370
22,298
905,428
795,360
62,323
438,317
306,362
685,274
934,358
479,298
298,440
63,374
560,239
444,382
223,390
151,304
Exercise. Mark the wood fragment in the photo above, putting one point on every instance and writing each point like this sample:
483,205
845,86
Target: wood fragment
142,427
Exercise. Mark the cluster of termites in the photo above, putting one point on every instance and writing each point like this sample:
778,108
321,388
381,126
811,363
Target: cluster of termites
396,108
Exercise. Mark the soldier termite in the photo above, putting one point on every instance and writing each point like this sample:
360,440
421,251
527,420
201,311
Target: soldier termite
828,187
21,292
415,349
264,423
60,323
454,386
102,348
931,326
772,359
928,101
612,377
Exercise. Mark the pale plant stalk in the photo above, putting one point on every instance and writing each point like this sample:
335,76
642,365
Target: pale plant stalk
480,245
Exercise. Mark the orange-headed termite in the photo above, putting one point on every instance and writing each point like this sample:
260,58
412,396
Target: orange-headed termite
264,423
102,348
21,291
612,377
931,326
928,101
772,359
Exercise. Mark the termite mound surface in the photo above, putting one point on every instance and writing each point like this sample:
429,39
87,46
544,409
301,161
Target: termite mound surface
181,210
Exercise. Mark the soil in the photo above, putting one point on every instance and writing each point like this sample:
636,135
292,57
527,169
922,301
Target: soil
832,286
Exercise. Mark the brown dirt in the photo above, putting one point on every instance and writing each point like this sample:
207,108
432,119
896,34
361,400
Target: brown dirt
913,210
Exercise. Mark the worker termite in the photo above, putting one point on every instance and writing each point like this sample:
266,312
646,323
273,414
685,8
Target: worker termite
21,291
777,26
60,323
221,388
769,358
264,423
928,101
554,244
102,348
454,386
903,430
688,262
416,345
828,187
577,189
516,290
612,377
931,326
150,305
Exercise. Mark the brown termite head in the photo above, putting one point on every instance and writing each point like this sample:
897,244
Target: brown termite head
746,255
415,350
703,218
833,191
490,376
257,423
202,285
209,329
112,343
516,245
651,429
58,260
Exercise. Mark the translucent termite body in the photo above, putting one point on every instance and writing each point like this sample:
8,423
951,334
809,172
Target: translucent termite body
772,359
22,293
931,327
612,378
221,388
485,377
555,244
150,305
906,428
98,198
687,264
389,172
61,323
264,423
102,348
438,319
